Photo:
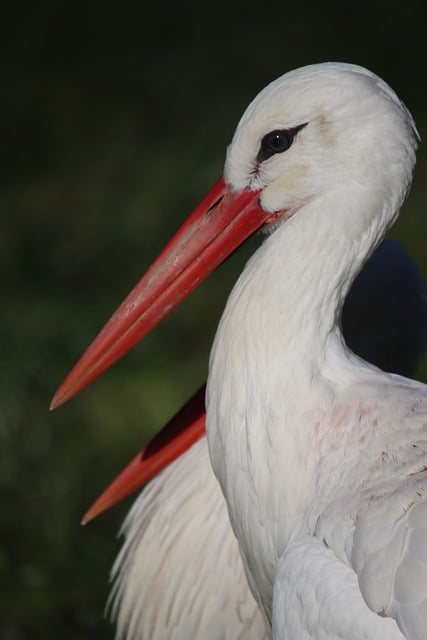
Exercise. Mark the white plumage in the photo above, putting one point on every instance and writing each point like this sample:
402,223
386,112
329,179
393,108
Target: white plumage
179,573
319,454
321,457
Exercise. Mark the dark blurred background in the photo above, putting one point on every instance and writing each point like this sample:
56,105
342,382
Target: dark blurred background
114,121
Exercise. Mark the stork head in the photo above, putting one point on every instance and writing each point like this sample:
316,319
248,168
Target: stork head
306,134
317,128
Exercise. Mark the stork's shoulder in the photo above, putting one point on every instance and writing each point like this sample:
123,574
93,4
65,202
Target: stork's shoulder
396,406
383,406
371,433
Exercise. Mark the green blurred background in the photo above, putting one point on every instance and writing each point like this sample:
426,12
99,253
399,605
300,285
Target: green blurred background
114,119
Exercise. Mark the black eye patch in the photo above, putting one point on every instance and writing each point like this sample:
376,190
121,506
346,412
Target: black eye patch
277,141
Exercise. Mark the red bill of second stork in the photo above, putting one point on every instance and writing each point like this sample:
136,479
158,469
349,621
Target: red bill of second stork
321,457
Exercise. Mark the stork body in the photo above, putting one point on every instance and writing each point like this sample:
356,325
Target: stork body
180,554
320,456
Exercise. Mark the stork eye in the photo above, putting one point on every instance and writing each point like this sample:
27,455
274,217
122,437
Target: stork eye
277,141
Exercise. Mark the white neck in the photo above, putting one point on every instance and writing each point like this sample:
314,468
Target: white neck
278,353
284,311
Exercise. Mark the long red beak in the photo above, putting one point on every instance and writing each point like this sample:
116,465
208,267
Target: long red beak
218,225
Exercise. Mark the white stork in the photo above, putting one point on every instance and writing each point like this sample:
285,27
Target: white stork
321,456
178,539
